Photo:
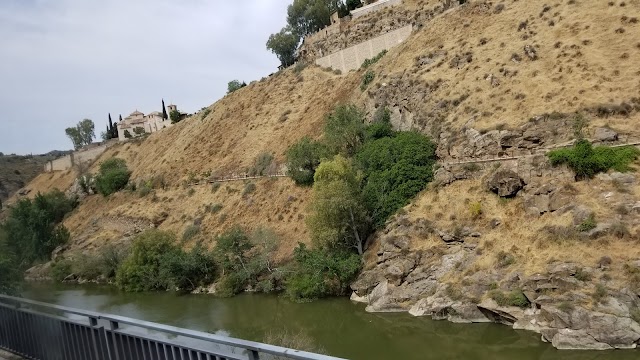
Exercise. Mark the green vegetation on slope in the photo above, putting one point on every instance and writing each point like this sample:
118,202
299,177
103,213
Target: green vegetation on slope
362,176
156,262
586,161
112,177
33,227
9,270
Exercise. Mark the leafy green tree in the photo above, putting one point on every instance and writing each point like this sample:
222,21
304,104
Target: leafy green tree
308,16
303,158
338,220
127,134
395,169
345,130
234,85
75,137
105,135
9,268
175,116
143,269
112,177
82,134
187,270
138,130
284,44
321,272
353,4
33,227
231,252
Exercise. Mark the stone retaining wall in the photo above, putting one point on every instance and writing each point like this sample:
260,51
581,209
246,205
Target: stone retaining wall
352,58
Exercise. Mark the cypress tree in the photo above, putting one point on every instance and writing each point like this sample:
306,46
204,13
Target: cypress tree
110,127
164,111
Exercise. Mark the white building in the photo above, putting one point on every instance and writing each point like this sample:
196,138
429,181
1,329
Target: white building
138,124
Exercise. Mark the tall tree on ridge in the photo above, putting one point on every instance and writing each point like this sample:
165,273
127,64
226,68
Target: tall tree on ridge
164,111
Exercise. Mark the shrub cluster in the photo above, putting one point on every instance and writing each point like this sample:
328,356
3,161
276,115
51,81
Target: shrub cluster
157,263
303,158
586,160
245,261
98,266
9,271
367,79
321,272
369,62
513,298
33,228
395,169
112,177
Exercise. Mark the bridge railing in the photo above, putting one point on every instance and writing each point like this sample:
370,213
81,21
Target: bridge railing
37,330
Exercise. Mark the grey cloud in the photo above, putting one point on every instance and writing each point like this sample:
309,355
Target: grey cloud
65,60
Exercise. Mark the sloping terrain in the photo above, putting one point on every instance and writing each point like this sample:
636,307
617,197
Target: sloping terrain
16,171
485,80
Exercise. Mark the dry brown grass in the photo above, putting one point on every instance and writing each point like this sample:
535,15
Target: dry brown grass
520,234
567,78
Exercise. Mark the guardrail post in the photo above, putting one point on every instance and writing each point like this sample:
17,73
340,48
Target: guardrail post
254,355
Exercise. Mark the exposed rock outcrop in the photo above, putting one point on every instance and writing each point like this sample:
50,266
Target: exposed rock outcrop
557,303
505,183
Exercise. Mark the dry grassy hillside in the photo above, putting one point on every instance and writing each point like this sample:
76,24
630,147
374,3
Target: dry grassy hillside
495,65
483,66
266,116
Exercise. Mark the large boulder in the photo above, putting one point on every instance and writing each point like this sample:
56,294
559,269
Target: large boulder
605,134
505,183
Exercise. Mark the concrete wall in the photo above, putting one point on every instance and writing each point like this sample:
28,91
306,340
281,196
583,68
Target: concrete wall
60,164
352,58
378,5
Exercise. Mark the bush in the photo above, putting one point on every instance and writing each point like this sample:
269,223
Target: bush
600,293
249,188
514,298
588,224
395,170
504,259
234,85
213,208
321,272
188,270
582,275
90,267
369,62
303,158
33,227
10,275
61,269
475,209
112,177
345,130
156,263
190,232
380,125
141,271
261,164
586,161
368,77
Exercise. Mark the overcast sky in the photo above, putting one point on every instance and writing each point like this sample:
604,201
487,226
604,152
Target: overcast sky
65,60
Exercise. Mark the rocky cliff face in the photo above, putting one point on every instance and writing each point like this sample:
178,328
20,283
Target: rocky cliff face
535,270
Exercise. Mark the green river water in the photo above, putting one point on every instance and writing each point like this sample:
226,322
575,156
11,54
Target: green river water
338,326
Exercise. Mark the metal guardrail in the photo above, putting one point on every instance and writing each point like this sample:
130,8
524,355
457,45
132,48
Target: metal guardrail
41,331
